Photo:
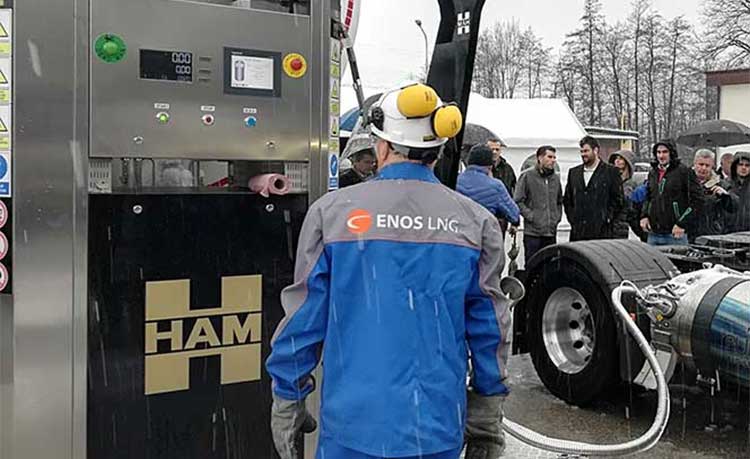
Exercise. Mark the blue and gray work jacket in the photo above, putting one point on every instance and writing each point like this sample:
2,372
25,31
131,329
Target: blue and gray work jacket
396,280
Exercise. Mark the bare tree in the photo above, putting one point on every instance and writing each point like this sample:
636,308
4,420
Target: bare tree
640,9
727,36
509,59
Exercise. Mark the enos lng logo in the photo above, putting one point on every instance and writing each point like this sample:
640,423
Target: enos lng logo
360,221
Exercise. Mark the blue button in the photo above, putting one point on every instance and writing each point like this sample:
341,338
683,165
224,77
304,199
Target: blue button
251,121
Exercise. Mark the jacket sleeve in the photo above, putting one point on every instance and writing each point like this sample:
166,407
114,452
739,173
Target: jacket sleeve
730,202
568,198
695,200
646,210
488,316
521,197
298,338
508,209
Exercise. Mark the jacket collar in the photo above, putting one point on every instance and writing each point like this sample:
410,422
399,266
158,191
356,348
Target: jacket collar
481,169
407,171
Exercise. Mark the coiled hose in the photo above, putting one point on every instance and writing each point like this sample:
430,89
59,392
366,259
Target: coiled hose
640,444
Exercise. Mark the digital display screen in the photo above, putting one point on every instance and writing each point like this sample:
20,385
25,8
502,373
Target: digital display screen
167,65
252,72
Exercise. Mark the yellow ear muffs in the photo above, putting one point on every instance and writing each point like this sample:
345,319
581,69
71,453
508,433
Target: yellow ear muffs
447,121
417,101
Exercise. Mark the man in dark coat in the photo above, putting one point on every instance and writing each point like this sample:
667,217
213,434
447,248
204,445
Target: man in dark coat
674,198
363,165
740,188
718,204
593,195
502,170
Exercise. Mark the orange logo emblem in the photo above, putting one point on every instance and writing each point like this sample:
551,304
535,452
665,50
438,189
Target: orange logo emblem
359,221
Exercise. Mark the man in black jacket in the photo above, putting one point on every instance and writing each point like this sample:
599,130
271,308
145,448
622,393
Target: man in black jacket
502,170
363,165
719,205
674,198
593,195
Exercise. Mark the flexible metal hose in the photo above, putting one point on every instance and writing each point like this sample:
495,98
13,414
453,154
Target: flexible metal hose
640,444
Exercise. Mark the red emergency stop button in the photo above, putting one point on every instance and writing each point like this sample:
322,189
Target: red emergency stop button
295,65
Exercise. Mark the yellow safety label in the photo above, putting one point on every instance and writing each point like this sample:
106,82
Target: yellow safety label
4,142
4,96
5,48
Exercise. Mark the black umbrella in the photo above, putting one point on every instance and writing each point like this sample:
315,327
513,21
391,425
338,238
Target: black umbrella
715,133
475,134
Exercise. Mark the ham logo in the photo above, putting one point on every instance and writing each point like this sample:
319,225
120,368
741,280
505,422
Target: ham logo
359,221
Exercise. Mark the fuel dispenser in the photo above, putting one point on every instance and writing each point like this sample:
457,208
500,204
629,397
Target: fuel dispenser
142,293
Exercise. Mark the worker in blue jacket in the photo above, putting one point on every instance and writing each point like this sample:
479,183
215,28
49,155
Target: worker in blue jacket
477,183
397,282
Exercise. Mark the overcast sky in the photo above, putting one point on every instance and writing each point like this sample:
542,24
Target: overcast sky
390,47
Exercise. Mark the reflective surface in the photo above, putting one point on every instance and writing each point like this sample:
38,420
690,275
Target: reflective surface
568,330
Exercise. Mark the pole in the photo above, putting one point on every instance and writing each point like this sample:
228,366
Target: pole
426,47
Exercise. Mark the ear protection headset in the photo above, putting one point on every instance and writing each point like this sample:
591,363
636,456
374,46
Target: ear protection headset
420,101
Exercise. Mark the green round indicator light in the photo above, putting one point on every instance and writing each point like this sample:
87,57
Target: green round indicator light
110,48
162,117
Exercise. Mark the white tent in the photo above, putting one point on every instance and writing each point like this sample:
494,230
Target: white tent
526,124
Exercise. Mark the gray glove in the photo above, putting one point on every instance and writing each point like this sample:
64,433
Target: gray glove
289,418
484,432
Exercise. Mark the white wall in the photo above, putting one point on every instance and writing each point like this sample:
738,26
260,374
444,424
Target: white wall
735,106
735,103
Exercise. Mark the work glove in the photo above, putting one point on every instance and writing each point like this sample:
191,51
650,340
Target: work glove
289,418
484,432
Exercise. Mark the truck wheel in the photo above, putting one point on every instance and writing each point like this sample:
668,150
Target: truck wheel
573,338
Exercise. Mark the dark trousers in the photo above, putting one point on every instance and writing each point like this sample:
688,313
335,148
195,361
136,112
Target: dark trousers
533,244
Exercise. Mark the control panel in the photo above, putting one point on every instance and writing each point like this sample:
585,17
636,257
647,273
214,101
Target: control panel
203,80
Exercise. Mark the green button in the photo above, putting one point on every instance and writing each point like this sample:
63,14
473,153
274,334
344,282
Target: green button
162,117
110,48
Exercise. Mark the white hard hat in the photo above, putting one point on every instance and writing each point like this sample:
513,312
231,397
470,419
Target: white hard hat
414,116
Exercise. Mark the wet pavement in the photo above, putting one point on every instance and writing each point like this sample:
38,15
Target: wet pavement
690,432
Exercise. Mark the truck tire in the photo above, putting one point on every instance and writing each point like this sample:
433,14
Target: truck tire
573,334
571,329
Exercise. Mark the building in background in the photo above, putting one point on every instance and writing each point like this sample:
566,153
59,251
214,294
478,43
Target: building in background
611,140
728,98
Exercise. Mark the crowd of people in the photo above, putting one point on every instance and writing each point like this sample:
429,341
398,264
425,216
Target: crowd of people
675,205
602,199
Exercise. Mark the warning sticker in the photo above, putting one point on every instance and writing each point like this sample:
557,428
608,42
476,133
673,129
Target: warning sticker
335,50
335,88
3,277
4,142
5,18
4,119
333,172
334,126
4,96
335,70
3,214
3,246
5,49
5,175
